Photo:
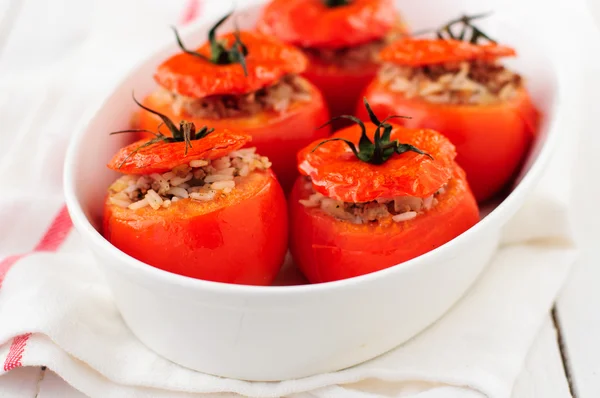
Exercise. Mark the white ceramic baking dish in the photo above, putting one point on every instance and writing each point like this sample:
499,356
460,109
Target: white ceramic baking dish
283,332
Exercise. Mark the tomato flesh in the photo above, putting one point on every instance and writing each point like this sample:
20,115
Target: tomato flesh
277,135
240,238
491,140
327,249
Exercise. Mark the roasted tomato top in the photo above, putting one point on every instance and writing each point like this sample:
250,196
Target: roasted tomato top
267,60
149,156
338,173
411,51
328,23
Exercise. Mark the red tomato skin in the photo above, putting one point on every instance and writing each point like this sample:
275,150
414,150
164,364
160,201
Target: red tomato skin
341,86
413,51
310,23
326,249
277,136
491,140
244,242
268,60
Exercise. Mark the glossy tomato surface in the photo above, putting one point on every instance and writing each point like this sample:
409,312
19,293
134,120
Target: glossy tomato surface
337,173
277,135
341,85
267,61
327,249
411,51
240,238
311,23
146,157
491,140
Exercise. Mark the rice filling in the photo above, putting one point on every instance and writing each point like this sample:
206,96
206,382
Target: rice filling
400,208
200,180
277,97
475,83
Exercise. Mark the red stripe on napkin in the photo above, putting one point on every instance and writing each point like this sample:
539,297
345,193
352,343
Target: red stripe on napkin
15,353
55,235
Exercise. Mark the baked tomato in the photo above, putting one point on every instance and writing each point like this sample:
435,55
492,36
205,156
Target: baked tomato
373,196
460,89
341,39
246,82
196,204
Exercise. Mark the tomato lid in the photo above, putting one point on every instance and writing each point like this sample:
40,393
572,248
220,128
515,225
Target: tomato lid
163,153
147,157
378,160
328,23
419,52
194,74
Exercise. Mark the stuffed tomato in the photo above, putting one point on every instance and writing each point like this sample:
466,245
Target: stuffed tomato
460,89
341,38
373,196
198,204
246,82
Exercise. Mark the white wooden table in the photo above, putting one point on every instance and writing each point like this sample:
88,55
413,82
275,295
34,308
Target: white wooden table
564,361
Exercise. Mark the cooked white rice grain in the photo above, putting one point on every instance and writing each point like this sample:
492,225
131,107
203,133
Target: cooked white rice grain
244,170
176,181
218,177
199,163
409,215
119,202
308,203
154,199
204,196
139,204
178,192
223,184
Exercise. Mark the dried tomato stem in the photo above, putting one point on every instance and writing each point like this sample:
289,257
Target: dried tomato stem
381,148
466,22
186,132
219,54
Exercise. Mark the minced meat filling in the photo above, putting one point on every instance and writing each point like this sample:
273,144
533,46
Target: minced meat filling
475,83
350,56
200,180
359,55
401,208
277,97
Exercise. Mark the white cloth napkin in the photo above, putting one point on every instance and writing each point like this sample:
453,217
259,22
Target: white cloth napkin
56,310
